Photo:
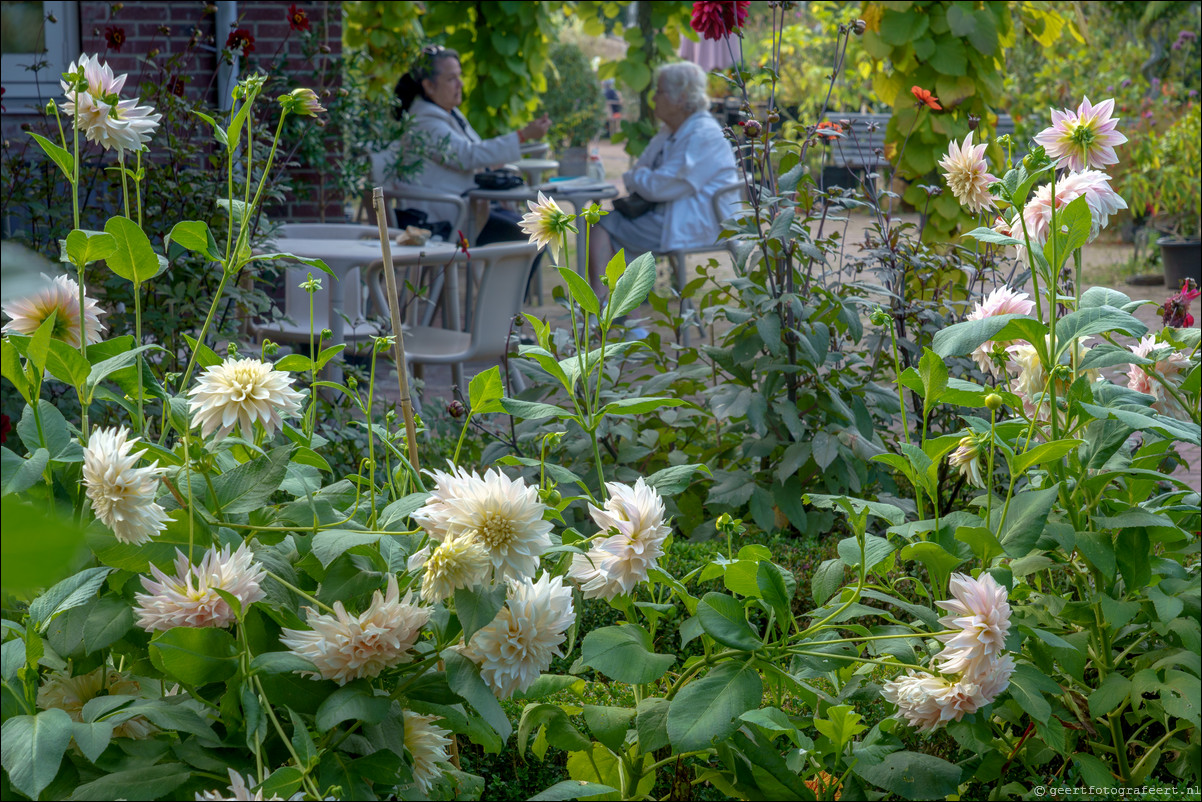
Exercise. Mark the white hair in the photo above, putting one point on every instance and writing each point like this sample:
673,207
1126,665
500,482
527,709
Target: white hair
684,83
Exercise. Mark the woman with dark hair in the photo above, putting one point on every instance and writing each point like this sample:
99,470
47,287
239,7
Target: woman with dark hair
431,93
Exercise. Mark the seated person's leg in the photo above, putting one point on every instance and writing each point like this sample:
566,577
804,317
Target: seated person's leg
502,226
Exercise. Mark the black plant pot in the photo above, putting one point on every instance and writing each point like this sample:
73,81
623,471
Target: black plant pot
1182,259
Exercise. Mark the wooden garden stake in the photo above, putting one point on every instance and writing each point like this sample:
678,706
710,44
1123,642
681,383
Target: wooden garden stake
377,197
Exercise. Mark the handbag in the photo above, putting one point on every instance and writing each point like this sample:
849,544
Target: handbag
498,179
632,206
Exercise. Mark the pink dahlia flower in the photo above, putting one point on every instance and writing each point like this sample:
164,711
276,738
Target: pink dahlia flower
980,613
968,175
1002,301
1170,367
189,599
1085,138
1103,201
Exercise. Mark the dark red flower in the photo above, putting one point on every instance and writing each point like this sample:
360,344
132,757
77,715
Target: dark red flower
240,40
1175,311
925,98
298,18
6,426
176,86
115,37
717,19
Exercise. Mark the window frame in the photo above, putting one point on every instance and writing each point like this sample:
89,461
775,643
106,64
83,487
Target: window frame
21,87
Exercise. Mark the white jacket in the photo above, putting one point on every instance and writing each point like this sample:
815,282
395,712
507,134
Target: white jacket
455,153
697,162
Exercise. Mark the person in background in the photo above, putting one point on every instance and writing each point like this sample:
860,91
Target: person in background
614,102
675,179
432,92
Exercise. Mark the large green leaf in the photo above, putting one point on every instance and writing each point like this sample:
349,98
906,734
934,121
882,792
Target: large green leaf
85,247
73,591
249,486
194,656
561,732
1025,520
144,782
32,748
329,544
464,678
913,775
133,259
708,710
477,607
572,789
963,338
353,702
196,237
1095,320
624,653
724,619
632,287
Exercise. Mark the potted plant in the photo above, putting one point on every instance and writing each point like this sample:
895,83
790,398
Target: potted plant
576,106
1177,176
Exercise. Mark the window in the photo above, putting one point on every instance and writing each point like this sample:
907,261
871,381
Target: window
29,39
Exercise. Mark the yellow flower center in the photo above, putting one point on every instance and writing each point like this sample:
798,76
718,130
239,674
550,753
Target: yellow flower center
495,530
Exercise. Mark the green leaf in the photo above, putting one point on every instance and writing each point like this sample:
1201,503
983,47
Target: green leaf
1025,520
674,479
85,247
196,237
639,406
1028,685
133,259
632,288
912,775
939,561
218,131
73,591
102,370
32,748
464,678
933,371
580,291
194,656
306,260
963,338
352,702
561,732
1113,691
143,782
776,592
281,663
64,160
1071,232
724,619
876,551
250,485
533,410
707,710
66,364
476,607
841,726
39,343
92,738
827,580
624,653
651,723
1042,454
609,724
1095,320
107,622
485,391
572,789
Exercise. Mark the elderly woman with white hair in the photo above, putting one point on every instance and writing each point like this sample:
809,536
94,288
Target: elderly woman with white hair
674,180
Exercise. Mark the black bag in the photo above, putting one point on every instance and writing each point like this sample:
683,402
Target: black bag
632,206
498,179
416,217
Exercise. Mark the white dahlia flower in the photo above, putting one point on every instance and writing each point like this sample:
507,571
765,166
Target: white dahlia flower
242,391
546,224
1032,380
122,495
980,613
634,519
70,694
62,298
239,791
428,746
926,702
435,515
346,647
517,646
457,562
112,123
1101,198
967,460
189,599
967,174
503,515
1002,301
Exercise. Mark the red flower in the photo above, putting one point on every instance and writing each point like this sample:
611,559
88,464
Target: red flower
832,132
462,244
6,426
240,40
115,37
298,19
925,98
1175,311
717,19
176,86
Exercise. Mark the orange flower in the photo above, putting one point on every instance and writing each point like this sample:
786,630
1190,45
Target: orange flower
832,130
822,783
925,98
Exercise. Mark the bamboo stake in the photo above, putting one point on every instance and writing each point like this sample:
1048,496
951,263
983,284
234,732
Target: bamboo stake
377,197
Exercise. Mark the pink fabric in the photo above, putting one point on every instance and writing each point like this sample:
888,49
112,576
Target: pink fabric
709,54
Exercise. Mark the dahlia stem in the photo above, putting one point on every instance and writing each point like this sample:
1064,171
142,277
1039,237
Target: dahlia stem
200,341
299,592
124,183
137,343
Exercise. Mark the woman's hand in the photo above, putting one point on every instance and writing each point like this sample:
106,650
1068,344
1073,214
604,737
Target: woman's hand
535,130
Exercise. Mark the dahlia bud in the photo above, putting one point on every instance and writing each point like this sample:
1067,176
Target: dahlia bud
993,401
859,26
154,52
270,348
973,122
551,497
324,49
753,129
117,7
326,334
456,409
231,348
773,116
879,317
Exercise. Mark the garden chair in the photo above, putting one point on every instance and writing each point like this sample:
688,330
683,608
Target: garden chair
503,269
678,259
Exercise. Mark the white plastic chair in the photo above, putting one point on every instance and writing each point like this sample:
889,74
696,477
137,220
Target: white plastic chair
678,260
503,270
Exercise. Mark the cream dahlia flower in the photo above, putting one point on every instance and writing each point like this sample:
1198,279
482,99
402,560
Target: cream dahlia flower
1083,139
189,599
517,646
967,460
121,494
242,391
428,746
239,791
1002,301
1032,380
346,647
506,517
634,519
546,224
457,562
980,613
61,298
991,677
927,702
435,515
967,174
112,123
1101,198
70,694
1171,368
